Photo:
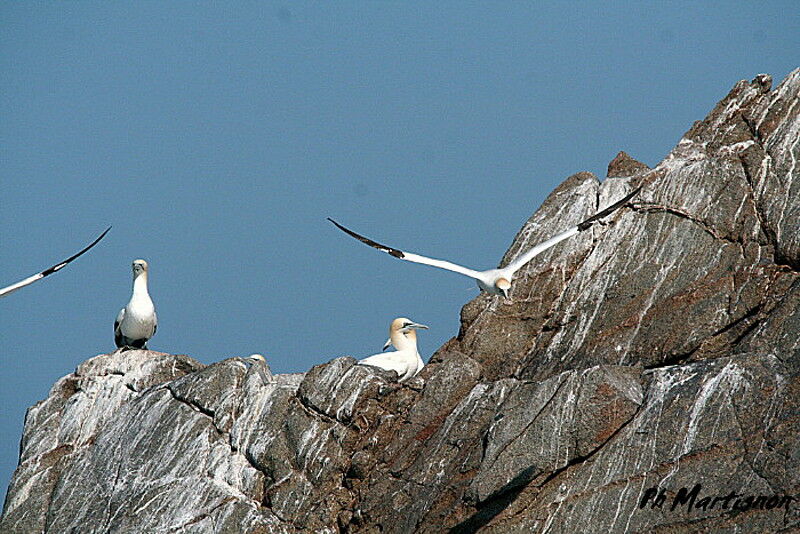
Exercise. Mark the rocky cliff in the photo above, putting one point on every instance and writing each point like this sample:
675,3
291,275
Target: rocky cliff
655,354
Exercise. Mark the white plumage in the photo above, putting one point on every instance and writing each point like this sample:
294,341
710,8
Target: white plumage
405,361
494,281
136,322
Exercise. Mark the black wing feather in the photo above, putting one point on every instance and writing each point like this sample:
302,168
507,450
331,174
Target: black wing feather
58,266
367,241
588,222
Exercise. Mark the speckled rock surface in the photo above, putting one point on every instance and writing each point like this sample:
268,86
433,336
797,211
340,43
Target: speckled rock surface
654,362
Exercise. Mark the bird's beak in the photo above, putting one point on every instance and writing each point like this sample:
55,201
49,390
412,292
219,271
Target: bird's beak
416,325
387,344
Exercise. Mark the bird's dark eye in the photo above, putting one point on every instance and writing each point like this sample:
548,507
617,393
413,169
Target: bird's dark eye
406,325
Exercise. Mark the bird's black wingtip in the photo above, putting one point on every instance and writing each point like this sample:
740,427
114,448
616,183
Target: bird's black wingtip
610,209
341,227
96,241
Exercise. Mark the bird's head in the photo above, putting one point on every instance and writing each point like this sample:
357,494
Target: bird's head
401,328
503,286
256,358
404,325
139,267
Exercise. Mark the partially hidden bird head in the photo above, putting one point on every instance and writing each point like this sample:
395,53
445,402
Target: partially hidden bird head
139,267
256,358
503,286
400,330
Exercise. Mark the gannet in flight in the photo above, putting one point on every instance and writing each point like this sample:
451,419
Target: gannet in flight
50,270
405,361
136,322
494,281
257,362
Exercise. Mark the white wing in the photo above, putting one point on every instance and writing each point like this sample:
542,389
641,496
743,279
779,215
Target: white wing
386,361
50,270
409,256
522,260
441,264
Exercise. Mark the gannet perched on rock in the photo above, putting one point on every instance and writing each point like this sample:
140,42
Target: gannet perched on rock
50,270
494,281
257,362
405,361
136,322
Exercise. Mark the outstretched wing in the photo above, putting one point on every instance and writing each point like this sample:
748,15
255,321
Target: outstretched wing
521,261
410,256
50,270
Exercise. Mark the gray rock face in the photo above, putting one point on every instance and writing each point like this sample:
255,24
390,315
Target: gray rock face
655,361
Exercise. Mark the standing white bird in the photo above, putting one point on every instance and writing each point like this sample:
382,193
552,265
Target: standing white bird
136,322
405,361
50,270
494,281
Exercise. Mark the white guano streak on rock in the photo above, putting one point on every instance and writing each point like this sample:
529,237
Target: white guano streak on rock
471,402
586,320
795,133
23,493
789,85
549,522
91,407
346,408
313,445
257,405
582,278
661,277
306,442
40,439
664,381
563,426
623,497
771,412
750,92
252,408
731,376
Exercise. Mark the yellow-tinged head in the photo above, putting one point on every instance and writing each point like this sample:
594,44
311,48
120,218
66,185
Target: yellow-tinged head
503,286
401,331
257,357
403,324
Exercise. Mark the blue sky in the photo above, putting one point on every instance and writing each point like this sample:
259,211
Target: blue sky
216,138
